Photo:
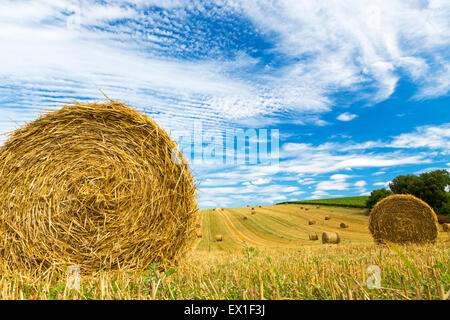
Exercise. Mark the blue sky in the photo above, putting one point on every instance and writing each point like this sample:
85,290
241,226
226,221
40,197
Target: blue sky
358,90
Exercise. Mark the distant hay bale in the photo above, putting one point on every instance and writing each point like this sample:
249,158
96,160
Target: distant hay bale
403,218
313,237
446,227
199,235
253,212
244,218
214,209
259,206
99,186
318,207
331,237
327,218
219,237
311,222
306,209
343,225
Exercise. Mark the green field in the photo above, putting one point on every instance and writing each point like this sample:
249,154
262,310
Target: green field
354,202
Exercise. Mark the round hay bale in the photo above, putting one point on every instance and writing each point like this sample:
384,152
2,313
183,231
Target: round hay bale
402,218
244,218
331,237
253,212
99,186
327,218
313,237
311,222
446,227
306,209
318,207
219,237
343,225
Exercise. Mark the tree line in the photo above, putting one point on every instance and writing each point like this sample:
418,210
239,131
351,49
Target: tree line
431,187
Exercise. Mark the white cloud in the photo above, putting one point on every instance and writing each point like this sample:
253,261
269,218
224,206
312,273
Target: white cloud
367,42
382,184
360,183
433,137
339,177
346,116
260,181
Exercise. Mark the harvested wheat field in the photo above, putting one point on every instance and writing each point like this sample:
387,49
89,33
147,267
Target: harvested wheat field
96,186
268,256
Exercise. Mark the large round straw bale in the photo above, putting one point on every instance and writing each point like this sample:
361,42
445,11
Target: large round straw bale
219,237
100,186
403,218
330,237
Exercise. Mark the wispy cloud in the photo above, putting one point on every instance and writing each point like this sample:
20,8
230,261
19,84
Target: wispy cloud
346,116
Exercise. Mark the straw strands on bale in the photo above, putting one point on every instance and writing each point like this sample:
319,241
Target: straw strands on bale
343,225
100,186
219,237
403,218
313,237
330,237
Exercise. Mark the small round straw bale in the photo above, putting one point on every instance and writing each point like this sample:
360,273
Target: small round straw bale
402,218
330,237
446,227
343,225
327,218
219,237
313,237
245,218
306,209
96,185
311,222
318,207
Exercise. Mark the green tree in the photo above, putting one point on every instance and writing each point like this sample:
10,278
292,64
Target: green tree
431,187
377,195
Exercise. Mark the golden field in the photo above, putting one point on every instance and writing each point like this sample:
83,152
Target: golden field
267,256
